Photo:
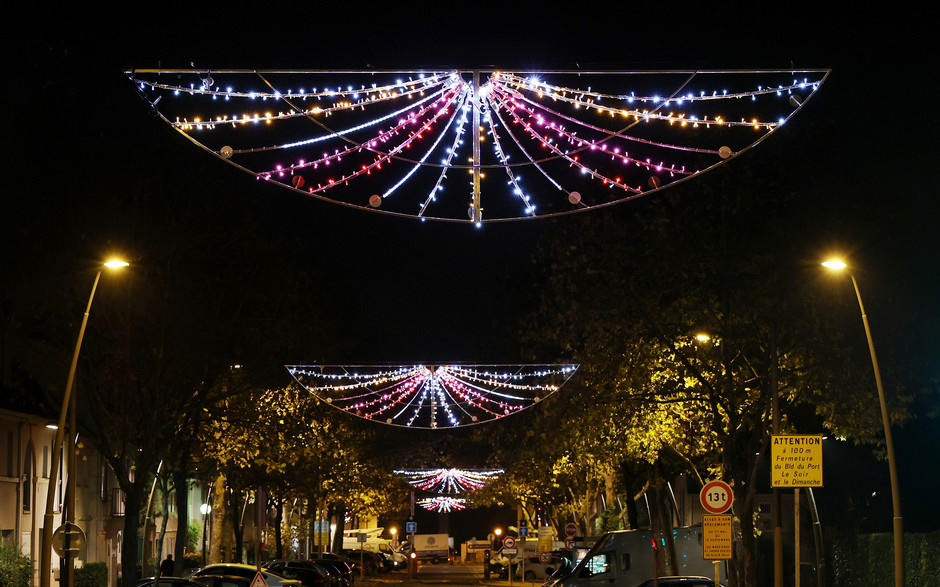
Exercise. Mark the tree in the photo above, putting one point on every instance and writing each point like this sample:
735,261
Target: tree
626,296
286,442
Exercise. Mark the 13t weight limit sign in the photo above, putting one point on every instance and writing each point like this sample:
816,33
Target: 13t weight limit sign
716,497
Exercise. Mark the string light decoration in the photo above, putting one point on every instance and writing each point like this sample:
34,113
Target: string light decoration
449,481
544,143
443,504
426,396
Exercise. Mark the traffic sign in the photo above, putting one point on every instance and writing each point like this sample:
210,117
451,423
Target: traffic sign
716,497
68,540
545,557
569,544
509,542
411,527
571,529
797,460
523,531
259,581
717,536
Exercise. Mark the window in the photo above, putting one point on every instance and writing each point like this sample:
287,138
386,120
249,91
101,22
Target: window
29,465
625,561
10,453
103,479
117,502
599,563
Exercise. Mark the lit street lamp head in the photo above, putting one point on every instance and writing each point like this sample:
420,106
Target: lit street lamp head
834,264
116,264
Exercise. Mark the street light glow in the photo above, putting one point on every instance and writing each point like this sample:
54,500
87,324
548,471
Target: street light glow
834,264
116,264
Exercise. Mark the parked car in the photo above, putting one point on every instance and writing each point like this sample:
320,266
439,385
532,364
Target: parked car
565,566
224,581
336,564
307,572
387,563
677,581
168,582
246,571
370,561
535,569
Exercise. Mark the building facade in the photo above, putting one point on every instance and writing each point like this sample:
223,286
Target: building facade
25,467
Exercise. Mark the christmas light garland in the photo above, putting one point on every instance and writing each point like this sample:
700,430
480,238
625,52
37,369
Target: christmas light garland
425,396
565,141
449,481
443,503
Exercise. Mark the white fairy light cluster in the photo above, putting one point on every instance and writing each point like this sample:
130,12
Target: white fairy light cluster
427,396
443,503
555,142
449,481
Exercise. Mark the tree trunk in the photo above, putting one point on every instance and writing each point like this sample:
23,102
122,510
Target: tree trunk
235,515
628,478
666,519
339,517
182,518
165,502
278,518
218,521
133,500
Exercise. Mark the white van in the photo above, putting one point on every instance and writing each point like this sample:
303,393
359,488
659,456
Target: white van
374,543
625,558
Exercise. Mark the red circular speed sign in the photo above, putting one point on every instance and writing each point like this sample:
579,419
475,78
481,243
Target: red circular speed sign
716,497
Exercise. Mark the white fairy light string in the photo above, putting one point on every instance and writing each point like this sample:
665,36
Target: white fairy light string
426,396
564,141
443,504
451,481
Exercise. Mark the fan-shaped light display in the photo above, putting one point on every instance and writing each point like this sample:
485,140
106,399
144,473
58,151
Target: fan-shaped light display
450,481
429,396
476,146
443,504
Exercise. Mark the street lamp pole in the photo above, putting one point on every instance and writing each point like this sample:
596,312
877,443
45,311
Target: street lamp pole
45,565
889,442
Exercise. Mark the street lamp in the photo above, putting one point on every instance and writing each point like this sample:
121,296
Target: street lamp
45,566
838,265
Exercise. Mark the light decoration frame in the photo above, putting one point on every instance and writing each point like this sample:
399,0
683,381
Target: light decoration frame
431,396
562,141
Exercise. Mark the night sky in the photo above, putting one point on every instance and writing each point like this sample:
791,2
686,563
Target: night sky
76,131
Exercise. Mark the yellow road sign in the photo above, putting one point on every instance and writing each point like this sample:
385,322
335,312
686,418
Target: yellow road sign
796,460
717,536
